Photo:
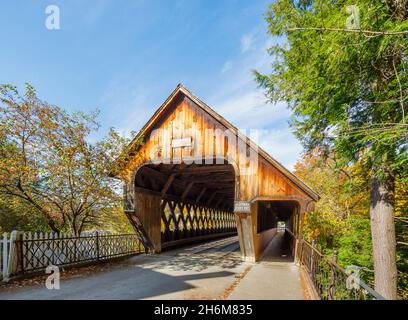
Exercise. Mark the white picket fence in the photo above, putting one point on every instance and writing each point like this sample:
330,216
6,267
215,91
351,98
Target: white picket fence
23,253
4,255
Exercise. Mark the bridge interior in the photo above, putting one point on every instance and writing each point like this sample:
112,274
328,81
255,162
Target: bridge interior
179,204
194,202
270,212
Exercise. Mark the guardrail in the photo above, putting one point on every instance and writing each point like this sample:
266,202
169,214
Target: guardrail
331,281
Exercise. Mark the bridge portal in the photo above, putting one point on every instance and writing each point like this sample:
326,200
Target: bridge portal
191,176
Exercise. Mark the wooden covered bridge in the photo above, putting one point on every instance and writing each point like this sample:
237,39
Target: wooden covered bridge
191,176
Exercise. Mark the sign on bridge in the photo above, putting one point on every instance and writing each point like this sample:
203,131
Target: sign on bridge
242,206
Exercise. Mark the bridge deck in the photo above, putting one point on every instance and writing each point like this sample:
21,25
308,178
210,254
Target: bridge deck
276,277
212,270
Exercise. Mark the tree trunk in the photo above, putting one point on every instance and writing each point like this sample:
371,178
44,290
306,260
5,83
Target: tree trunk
383,237
53,227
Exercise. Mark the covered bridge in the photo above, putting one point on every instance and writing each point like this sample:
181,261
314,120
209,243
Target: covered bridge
190,175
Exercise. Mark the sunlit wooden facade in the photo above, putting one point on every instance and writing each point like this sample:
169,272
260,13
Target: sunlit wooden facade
191,176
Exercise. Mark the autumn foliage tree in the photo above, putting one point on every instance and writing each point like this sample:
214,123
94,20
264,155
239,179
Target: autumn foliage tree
47,161
342,196
341,220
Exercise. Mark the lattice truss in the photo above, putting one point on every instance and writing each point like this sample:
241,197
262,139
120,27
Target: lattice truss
182,220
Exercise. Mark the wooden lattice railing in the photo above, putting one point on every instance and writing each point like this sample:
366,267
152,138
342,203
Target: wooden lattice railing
182,221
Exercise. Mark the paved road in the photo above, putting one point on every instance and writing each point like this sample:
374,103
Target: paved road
209,271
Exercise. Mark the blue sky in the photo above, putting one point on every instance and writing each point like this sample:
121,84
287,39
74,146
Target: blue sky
126,56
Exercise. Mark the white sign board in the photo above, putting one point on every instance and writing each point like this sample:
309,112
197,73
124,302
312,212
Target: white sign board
179,143
242,206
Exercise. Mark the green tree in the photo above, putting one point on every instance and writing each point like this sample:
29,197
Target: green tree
16,214
47,162
343,71
112,219
354,245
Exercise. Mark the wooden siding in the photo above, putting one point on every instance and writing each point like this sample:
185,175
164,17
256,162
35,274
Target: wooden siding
257,177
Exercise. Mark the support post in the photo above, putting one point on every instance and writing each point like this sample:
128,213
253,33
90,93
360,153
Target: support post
300,243
97,245
148,215
296,249
333,275
244,227
312,258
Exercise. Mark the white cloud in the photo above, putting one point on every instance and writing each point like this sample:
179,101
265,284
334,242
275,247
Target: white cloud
227,66
267,123
282,145
238,99
246,42
234,94
250,109
129,104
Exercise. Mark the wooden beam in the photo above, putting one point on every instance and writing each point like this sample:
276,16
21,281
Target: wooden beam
171,197
211,178
226,204
208,173
203,169
225,190
152,182
152,171
216,185
211,198
168,184
201,194
181,183
218,202
148,191
185,193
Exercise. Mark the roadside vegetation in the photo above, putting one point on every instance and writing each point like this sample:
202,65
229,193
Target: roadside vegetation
52,176
343,71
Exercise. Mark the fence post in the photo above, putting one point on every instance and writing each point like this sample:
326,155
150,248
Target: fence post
97,245
301,251
296,249
20,252
312,258
333,275
5,255
13,261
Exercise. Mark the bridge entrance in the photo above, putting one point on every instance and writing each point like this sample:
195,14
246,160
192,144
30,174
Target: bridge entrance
178,204
277,222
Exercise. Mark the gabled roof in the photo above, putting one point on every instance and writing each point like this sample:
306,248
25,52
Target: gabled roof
180,89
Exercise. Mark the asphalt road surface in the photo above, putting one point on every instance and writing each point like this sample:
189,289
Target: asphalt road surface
212,270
